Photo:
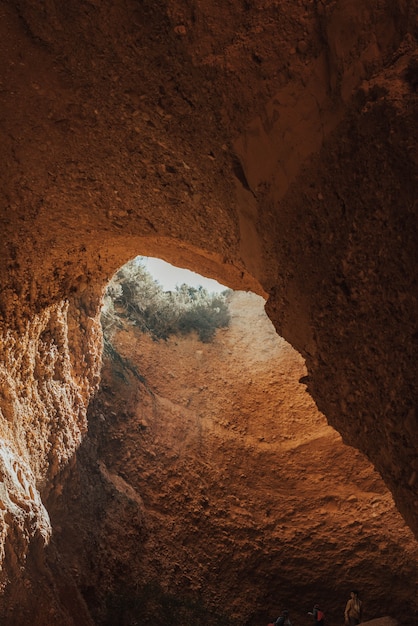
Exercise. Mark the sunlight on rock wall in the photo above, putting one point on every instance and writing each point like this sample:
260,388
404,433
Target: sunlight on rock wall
44,397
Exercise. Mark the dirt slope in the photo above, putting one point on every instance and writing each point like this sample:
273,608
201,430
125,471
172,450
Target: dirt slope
220,494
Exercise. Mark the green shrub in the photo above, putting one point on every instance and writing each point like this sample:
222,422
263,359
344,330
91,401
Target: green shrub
134,295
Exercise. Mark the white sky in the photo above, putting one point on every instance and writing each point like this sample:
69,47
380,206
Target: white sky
170,276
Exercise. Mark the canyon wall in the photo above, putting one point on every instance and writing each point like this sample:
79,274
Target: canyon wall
270,145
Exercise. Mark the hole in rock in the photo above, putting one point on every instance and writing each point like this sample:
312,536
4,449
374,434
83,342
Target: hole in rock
210,488
170,276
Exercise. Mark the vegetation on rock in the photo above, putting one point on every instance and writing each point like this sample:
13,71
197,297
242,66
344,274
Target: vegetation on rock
134,295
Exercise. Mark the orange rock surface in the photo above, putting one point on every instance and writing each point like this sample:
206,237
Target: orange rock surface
219,483
271,145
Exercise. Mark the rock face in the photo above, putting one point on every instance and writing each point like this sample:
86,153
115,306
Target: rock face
221,495
269,145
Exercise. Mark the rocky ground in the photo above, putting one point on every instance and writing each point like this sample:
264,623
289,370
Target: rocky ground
212,491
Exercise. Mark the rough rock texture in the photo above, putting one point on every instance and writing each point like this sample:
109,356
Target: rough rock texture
271,145
221,495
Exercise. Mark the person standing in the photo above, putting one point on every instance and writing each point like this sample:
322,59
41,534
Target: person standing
283,620
353,610
318,616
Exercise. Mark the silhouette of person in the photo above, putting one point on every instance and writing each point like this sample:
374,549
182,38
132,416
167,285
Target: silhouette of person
318,616
283,619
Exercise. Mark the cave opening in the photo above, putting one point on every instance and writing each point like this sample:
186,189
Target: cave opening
221,494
